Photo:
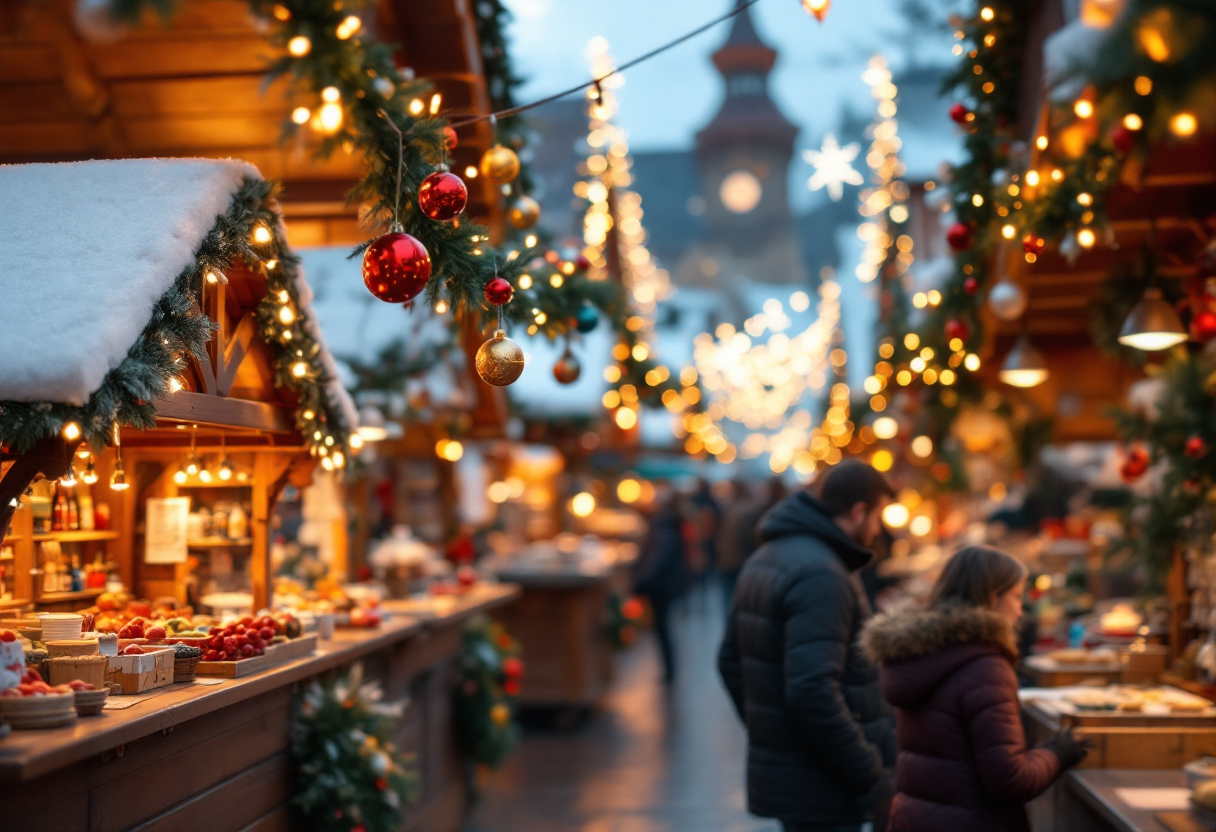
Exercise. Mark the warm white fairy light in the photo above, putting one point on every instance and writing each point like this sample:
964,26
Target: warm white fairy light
887,191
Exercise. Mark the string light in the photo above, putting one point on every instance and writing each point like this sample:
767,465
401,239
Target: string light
261,234
348,27
71,431
1132,121
1184,124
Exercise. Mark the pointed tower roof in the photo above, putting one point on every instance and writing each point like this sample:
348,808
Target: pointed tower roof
747,115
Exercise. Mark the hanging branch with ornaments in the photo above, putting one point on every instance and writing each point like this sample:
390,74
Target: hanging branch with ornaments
249,233
491,673
349,775
1174,436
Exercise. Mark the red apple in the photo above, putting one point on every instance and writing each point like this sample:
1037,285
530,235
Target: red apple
155,633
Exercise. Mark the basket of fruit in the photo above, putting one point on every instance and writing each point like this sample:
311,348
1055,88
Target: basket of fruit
89,698
185,662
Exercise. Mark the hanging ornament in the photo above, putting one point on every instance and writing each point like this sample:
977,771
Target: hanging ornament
499,164
499,291
817,9
1070,248
1135,464
384,86
567,369
1000,178
586,319
1196,447
582,263
499,361
1007,300
396,267
450,139
524,213
959,114
971,285
959,236
96,22
956,328
1033,245
442,195
1203,326
1123,140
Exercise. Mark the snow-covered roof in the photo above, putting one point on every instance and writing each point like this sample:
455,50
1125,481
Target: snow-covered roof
86,251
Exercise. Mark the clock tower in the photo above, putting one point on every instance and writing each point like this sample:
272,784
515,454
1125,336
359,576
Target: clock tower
743,158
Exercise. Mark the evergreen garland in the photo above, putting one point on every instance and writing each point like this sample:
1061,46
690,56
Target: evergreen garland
349,775
178,329
624,619
484,699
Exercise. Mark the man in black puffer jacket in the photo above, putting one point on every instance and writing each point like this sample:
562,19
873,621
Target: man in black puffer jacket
820,736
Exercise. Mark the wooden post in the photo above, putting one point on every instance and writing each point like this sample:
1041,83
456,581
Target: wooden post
1179,599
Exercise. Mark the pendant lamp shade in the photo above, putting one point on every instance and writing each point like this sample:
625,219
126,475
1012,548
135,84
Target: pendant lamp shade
1024,366
1152,324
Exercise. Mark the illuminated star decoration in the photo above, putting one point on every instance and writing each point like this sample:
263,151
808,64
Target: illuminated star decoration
833,168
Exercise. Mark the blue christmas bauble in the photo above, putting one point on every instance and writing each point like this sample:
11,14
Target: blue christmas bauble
587,318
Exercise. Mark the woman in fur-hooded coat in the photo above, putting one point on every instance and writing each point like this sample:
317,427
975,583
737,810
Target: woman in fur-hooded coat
949,670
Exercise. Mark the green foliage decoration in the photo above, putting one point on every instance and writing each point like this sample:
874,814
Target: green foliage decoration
485,696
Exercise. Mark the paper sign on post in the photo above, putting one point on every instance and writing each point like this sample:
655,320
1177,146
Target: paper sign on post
165,536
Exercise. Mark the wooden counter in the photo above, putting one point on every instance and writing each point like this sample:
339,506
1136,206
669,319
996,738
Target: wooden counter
1087,801
219,756
560,619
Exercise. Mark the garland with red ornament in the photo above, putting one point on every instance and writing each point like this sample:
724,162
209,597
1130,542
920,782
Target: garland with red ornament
491,673
624,619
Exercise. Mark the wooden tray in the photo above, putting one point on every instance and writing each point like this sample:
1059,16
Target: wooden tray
233,670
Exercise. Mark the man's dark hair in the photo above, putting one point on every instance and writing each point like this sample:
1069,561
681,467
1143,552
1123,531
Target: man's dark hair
849,483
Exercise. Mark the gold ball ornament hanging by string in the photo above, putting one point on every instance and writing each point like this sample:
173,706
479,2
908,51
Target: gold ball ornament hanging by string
499,361
524,213
499,164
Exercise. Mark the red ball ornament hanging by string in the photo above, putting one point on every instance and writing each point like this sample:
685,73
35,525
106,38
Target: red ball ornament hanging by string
959,236
971,285
499,291
567,369
396,267
450,139
442,195
959,114
1196,447
1203,326
582,263
957,329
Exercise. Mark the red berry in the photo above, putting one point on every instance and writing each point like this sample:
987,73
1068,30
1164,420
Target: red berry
7,635
1034,245
959,114
971,285
1203,326
1124,140
957,329
582,263
1196,448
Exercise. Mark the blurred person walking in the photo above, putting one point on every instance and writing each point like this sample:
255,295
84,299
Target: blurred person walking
820,737
706,517
660,573
949,671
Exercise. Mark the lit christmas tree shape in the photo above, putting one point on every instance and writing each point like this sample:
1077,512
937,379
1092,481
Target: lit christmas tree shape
833,167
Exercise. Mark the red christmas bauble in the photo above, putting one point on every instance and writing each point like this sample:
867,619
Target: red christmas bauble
1033,245
511,687
957,329
959,236
959,113
971,285
582,263
396,267
442,195
499,291
450,139
1203,326
1195,447
1123,140
512,667
567,369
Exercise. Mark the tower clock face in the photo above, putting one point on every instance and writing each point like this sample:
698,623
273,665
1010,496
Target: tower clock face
740,191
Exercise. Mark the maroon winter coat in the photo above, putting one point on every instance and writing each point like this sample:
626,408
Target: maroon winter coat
962,763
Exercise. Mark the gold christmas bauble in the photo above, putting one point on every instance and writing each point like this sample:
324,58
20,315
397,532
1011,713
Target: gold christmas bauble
499,164
499,361
500,715
524,213
567,369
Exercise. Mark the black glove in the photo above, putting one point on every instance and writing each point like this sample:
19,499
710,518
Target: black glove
1070,749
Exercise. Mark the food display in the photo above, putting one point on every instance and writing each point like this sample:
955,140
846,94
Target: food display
1156,701
1121,620
1080,656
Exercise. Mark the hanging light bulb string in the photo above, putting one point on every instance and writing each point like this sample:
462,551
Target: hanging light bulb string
595,82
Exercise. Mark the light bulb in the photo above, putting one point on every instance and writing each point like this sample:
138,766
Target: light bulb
192,467
286,315
90,473
225,472
1184,124
348,27
179,476
299,369
118,480
204,475
71,431
300,115
299,46
68,480
331,117
261,234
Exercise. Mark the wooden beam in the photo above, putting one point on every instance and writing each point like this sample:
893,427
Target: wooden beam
49,457
212,410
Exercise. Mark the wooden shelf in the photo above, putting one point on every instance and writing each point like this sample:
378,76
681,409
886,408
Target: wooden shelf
12,538
61,597
220,543
75,537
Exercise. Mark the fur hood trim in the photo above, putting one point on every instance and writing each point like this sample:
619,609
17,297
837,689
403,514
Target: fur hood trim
920,632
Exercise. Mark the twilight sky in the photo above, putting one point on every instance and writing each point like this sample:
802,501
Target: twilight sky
665,100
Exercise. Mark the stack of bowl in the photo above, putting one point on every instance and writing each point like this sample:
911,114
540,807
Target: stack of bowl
49,711
60,626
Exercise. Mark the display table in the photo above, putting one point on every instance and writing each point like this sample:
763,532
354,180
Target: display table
560,619
217,756
1090,801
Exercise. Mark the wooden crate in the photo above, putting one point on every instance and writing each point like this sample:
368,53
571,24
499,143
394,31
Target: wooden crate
233,670
148,671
